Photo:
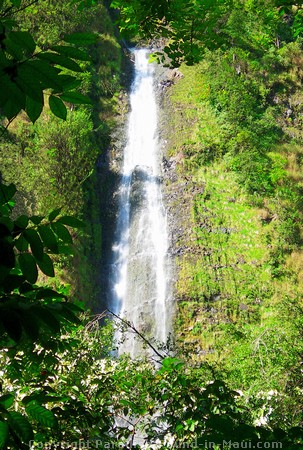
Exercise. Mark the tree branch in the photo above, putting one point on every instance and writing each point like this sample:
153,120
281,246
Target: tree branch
134,329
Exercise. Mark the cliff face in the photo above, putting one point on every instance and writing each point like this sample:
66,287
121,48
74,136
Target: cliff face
236,227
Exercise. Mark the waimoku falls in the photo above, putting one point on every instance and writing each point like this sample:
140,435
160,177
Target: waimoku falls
140,291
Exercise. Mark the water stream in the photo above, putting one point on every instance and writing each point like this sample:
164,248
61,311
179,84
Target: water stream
139,279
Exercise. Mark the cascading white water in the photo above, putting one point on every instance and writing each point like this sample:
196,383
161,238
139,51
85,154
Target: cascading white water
140,270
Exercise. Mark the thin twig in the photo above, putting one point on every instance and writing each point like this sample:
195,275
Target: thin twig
18,10
133,328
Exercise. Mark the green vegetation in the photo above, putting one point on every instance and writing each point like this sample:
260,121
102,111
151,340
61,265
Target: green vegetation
235,130
52,162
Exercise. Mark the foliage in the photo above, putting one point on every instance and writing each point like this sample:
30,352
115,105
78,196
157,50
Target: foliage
192,26
61,383
53,162
27,72
87,400
31,314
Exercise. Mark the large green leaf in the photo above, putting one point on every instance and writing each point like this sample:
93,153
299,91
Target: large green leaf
69,82
12,282
36,219
11,97
3,433
62,232
7,400
21,426
41,397
35,242
71,52
48,237
23,39
76,98
33,108
60,60
53,214
21,221
46,265
29,83
43,72
57,107
21,244
28,267
7,192
69,315
8,225
13,49
11,108
47,317
71,221
41,415
48,293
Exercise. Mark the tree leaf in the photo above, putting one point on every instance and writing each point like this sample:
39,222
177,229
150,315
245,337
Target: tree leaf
11,108
23,39
57,107
21,426
22,221
46,265
47,317
60,60
7,226
48,237
7,191
42,398
29,83
43,72
65,249
42,415
35,242
21,244
36,219
71,221
33,108
7,400
15,98
54,214
3,433
71,52
81,38
69,82
28,267
12,282
76,98
48,293
62,232
69,315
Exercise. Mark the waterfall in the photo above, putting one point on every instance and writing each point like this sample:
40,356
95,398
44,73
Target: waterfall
139,275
